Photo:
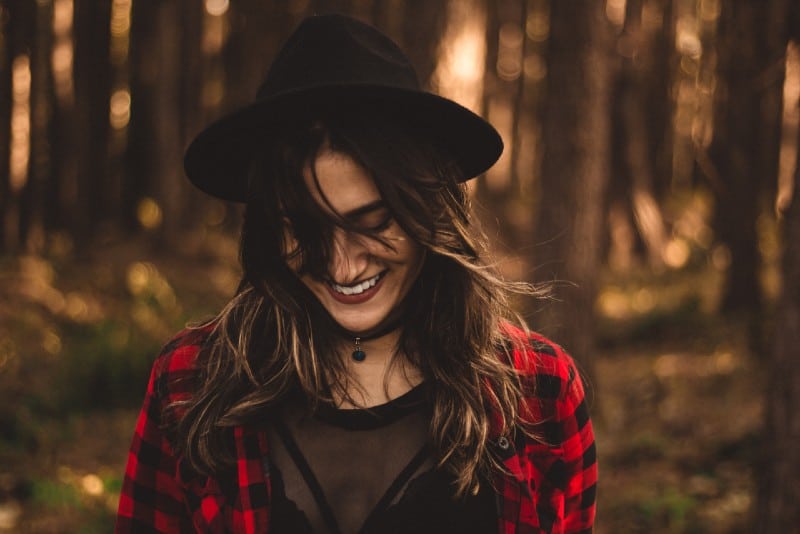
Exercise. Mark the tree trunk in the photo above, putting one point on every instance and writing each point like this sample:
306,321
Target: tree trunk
779,470
735,149
140,157
635,122
169,181
657,80
32,220
6,59
257,31
62,194
22,28
575,168
779,495
194,72
421,33
92,95
490,88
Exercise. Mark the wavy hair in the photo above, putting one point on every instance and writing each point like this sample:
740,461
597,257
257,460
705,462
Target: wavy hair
273,334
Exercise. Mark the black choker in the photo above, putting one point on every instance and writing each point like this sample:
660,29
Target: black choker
358,353
394,321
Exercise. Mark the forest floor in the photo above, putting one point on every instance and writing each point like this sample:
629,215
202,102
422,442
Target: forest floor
676,399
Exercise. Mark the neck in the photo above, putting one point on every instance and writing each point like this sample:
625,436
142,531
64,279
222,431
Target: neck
385,374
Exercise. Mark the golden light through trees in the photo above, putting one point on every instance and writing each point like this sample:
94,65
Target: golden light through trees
615,11
790,122
63,50
20,121
98,100
120,109
217,8
120,28
461,56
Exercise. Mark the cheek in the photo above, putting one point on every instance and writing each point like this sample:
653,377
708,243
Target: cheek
408,252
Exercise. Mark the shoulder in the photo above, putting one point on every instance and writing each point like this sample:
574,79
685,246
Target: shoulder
546,370
175,369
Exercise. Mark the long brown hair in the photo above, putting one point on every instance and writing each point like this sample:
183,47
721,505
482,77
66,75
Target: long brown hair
272,335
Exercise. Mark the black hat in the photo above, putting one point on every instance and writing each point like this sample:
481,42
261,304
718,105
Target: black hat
335,59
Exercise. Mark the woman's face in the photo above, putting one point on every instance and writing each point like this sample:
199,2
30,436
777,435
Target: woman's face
366,280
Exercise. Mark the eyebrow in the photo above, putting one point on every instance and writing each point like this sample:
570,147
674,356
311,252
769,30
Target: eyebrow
363,210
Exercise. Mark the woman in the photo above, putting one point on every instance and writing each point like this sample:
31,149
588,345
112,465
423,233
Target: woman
367,376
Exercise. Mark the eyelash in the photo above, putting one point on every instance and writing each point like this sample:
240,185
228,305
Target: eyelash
382,226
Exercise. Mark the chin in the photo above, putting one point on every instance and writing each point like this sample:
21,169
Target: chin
357,326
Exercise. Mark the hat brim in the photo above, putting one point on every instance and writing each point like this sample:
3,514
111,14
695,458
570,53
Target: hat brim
218,160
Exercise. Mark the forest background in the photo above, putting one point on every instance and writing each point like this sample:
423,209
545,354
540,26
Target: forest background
649,177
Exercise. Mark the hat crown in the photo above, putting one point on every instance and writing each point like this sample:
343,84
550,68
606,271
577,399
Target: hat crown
331,50
334,62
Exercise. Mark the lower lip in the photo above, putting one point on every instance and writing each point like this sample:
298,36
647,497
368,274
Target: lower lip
356,299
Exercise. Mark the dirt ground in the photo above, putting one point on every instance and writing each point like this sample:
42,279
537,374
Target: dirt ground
676,404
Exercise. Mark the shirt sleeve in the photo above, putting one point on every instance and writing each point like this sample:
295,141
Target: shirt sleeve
579,456
151,499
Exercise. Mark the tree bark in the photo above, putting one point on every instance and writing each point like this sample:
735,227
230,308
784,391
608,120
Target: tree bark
92,70
779,468
194,72
736,146
257,31
6,59
40,175
779,495
421,33
170,183
575,168
635,124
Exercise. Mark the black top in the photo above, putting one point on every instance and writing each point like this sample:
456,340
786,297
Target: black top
367,471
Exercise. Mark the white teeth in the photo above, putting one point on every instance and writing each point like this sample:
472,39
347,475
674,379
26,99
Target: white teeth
358,288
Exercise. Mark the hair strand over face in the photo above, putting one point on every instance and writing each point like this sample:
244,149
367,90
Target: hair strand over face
267,340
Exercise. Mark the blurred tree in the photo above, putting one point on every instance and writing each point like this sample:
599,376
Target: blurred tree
421,28
257,29
640,122
779,470
511,99
6,58
166,38
507,70
779,495
92,71
170,183
744,150
195,70
138,154
38,210
17,215
62,191
575,169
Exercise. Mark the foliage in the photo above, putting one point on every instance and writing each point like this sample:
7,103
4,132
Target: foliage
105,365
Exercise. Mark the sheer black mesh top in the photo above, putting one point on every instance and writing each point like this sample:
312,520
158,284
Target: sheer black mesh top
366,471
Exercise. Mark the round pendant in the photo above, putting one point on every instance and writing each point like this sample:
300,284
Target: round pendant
359,355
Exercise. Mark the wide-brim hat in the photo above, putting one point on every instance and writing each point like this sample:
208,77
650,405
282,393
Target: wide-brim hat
335,60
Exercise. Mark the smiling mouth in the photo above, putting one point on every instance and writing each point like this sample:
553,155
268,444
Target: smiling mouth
357,289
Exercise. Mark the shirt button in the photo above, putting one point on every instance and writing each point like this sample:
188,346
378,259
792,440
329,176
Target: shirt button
503,443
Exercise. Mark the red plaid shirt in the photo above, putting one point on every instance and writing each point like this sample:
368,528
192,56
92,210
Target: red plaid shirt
548,487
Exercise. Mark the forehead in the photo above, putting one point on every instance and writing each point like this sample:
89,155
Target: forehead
339,182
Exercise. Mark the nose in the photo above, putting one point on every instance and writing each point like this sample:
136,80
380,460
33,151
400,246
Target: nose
349,257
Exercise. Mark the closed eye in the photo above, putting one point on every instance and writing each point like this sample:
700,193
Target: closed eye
373,217
374,221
